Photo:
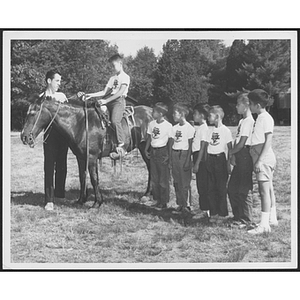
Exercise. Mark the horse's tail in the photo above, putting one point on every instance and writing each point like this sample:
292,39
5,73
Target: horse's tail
142,117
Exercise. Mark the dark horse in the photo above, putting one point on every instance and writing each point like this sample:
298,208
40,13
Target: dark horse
70,120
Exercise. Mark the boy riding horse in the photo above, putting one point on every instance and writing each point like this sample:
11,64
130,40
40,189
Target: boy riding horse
119,84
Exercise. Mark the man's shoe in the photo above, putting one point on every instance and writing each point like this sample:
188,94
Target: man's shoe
259,230
214,219
49,206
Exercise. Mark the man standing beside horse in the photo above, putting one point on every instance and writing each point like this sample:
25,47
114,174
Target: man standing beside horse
55,147
118,85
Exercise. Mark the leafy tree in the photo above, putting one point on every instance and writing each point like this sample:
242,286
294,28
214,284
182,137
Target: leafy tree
83,64
184,70
268,66
141,70
235,60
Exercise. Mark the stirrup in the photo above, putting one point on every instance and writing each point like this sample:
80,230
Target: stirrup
120,152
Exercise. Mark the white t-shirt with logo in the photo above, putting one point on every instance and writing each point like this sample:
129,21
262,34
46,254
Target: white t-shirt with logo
245,128
200,135
117,80
263,124
218,138
160,133
181,136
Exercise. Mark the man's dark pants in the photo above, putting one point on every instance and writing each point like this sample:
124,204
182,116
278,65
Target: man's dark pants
116,109
217,180
202,183
240,186
55,158
160,174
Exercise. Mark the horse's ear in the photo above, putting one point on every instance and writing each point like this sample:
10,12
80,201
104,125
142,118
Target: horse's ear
34,99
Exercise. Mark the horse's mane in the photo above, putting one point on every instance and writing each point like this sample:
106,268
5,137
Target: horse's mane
73,101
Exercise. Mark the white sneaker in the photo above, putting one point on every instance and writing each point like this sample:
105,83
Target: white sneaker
49,206
273,223
259,230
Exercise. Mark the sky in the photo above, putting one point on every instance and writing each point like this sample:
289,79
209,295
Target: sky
131,47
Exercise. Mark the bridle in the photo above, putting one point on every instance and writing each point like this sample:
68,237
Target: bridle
52,120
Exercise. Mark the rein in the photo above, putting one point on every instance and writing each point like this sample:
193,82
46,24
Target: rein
52,120
87,145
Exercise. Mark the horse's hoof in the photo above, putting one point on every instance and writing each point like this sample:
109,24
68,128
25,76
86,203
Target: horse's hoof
79,202
97,204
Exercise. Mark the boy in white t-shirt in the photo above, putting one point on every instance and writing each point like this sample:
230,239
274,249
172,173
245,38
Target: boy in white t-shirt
199,147
219,141
264,160
240,183
118,85
159,132
180,156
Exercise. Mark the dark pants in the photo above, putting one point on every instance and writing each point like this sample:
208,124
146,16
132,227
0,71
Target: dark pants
181,178
240,186
202,183
55,158
160,174
116,109
217,179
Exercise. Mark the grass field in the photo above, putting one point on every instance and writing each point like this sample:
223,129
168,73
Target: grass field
127,230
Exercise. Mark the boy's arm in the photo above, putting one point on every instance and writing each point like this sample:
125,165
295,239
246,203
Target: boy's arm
265,149
170,145
203,148
118,94
92,95
229,146
148,141
239,146
187,164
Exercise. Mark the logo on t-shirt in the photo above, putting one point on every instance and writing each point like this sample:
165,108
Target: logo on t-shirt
215,139
155,133
116,83
178,136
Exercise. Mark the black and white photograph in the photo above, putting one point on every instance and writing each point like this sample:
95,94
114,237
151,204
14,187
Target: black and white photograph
150,149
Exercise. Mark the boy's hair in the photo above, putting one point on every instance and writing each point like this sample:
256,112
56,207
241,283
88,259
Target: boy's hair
161,108
182,109
259,96
115,57
243,98
217,110
202,109
50,74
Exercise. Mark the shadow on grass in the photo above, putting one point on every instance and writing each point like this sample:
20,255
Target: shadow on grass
112,197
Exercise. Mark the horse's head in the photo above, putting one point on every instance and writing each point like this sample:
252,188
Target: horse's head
38,117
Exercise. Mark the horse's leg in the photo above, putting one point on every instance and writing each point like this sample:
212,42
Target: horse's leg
141,147
93,170
82,177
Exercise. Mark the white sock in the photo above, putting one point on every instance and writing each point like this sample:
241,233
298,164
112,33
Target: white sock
265,216
273,215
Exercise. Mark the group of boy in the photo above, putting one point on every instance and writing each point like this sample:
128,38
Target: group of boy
212,154
172,147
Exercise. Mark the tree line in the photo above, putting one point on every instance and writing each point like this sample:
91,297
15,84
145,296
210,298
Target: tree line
186,71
